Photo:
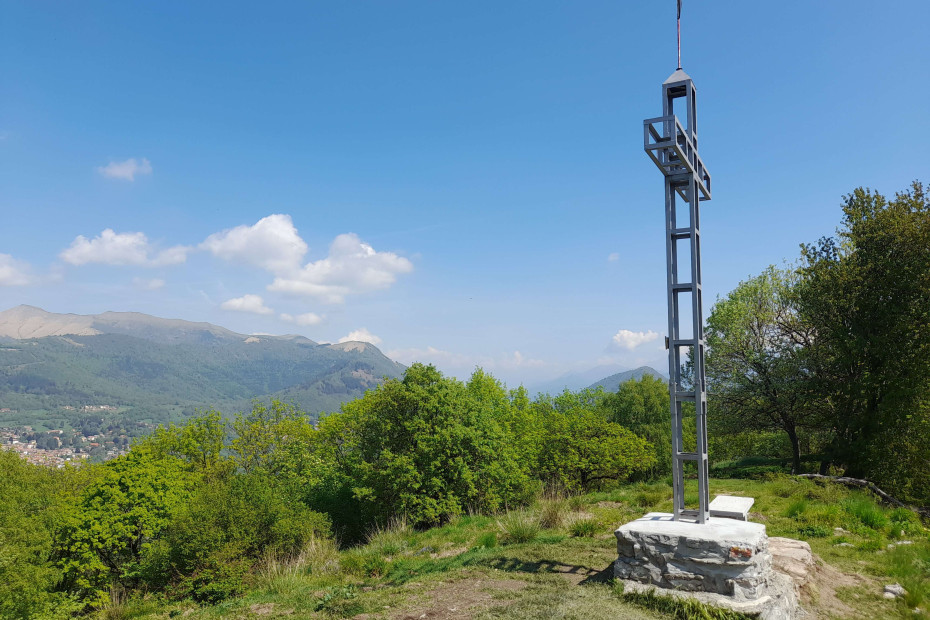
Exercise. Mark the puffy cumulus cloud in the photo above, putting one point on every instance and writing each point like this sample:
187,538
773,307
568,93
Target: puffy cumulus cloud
308,318
361,335
272,243
247,303
126,170
148,285
613,257
626,339
112,248
352,267
14,272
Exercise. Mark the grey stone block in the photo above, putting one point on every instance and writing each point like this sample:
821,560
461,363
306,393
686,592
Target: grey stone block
725,559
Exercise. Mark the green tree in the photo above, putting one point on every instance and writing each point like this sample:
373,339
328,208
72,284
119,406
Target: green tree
427,447
105,532
31,498
758,361
199,441
273,439
643,407
867,296
580,449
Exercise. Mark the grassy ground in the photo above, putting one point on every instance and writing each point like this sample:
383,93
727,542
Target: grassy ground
553,560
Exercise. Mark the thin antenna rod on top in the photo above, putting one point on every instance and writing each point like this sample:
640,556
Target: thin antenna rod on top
679,34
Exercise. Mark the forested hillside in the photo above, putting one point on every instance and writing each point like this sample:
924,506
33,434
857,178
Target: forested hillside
157,370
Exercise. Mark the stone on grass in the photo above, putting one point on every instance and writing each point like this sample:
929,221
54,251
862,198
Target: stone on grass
894,590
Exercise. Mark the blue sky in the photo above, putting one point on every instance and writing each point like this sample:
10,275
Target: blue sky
461,183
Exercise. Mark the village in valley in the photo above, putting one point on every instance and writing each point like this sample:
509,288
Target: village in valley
88,437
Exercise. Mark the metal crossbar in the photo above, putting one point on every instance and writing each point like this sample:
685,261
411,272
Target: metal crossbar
674,153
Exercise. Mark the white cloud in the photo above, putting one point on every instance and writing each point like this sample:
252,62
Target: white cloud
247,303
272,244
126,170
111,248
613,257
361,335
148,285
352,267
309,318
627,339
13,272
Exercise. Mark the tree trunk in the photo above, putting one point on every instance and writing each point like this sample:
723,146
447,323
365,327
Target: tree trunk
795,448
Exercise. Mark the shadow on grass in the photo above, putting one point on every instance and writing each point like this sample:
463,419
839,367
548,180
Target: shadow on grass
410,569
577,573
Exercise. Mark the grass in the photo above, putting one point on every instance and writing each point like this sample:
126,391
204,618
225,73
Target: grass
584,528
518,527
559,553
552,513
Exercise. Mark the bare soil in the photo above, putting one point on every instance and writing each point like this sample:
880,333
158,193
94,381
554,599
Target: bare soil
459,599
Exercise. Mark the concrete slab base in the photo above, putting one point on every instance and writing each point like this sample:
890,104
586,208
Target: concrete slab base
723,562
731,507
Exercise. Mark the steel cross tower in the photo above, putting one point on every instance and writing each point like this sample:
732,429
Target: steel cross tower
673,147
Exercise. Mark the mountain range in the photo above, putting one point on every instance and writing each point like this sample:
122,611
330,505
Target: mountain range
155,369
613,382
607,376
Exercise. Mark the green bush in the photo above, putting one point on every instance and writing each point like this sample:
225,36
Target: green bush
814,531
428,447
227,527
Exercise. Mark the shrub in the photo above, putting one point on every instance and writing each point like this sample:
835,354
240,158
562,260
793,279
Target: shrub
230,525
814,531
518,527
586,528
581,450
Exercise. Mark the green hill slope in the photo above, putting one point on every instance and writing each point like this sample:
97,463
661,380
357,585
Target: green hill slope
156,370
613,382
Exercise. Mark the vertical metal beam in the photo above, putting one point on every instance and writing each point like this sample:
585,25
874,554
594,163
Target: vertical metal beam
689,181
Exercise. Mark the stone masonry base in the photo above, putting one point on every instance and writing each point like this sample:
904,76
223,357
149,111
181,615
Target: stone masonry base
723,562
